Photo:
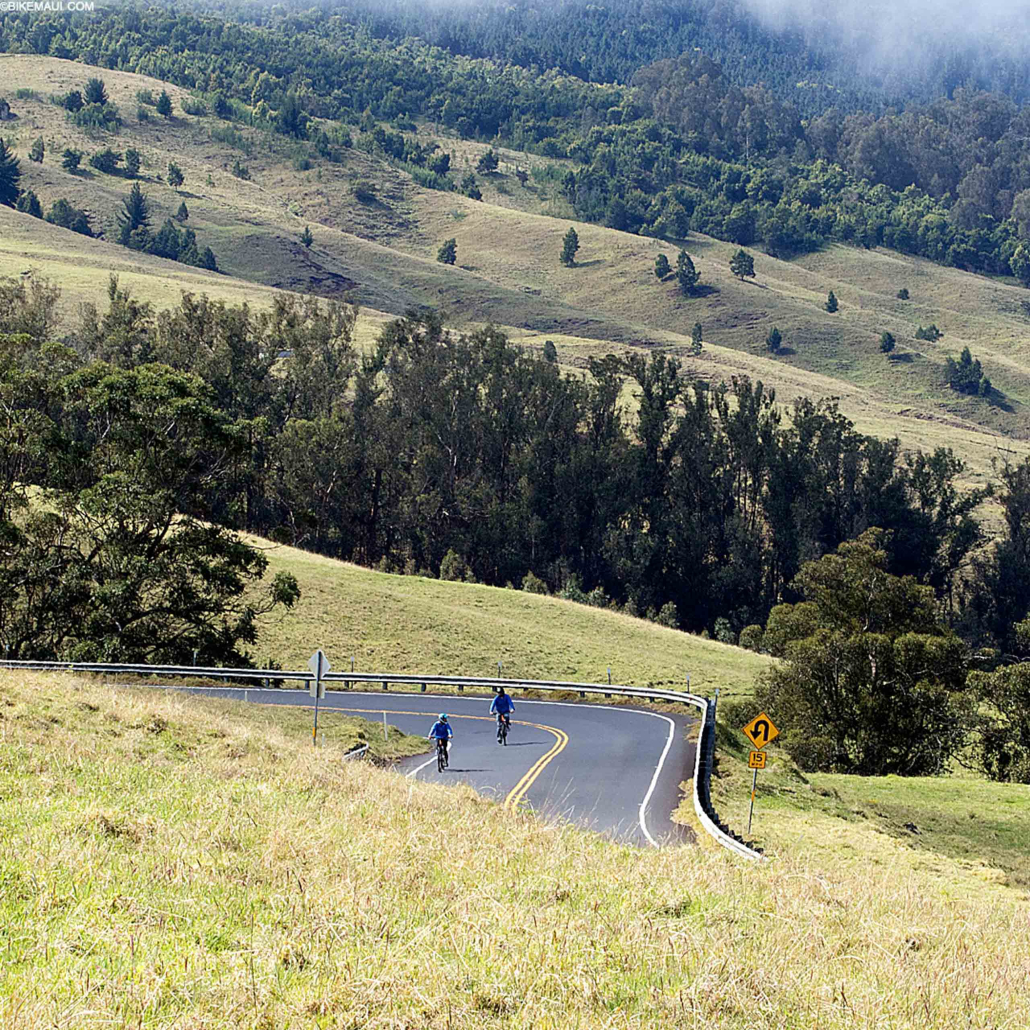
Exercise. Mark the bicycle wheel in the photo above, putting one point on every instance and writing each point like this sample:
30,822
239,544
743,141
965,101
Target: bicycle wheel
441,758
504,732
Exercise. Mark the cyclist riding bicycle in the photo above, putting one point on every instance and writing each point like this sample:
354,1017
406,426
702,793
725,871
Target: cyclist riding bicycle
442,731
502,706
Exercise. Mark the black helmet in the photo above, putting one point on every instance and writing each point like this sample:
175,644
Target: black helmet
499,688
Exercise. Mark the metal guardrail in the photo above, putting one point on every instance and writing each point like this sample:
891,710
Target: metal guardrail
704,754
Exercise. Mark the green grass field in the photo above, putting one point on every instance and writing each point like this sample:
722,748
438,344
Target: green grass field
408,624
169,863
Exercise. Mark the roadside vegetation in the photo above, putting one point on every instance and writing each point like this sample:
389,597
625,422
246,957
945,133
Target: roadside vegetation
261,882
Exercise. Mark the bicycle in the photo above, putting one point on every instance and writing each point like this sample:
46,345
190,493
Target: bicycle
441,754
503,726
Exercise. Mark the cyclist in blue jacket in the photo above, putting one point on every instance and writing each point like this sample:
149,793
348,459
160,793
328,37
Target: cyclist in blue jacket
502,706
442,731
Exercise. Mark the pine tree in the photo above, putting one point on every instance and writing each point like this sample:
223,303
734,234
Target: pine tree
164,104
570,244
10,174
448,252
886,342
831,302
742,265
183,213
550,352
175,176
696,339
305,237
774,340
134,219
686,274
470,188
70,160
37,151
132,163
661,267
488,162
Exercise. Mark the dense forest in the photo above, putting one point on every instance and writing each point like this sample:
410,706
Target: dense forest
684,147
133,452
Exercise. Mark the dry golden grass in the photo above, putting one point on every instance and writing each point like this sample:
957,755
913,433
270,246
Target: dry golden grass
165,866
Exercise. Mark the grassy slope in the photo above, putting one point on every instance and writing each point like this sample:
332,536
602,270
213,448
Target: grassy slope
984,826
410,624
383,254
270,887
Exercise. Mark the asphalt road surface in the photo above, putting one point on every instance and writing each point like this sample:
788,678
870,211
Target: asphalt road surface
615,770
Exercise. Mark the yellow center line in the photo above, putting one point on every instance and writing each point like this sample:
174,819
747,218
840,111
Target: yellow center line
519,791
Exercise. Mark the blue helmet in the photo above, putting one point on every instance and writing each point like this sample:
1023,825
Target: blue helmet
443,718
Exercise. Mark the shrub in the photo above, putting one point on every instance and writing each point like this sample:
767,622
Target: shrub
597,598
831,302
533,584
886,342
572,591
106,161
930,333
751,637
723,631
661,267
902,294
550,352
668,616
194,106
448,252
774,340
453,568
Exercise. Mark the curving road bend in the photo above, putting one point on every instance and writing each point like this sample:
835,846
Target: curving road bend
614,770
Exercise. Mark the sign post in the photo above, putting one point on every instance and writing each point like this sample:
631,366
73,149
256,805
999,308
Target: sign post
319,665
760,731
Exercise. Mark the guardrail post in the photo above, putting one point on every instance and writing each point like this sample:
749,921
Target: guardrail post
423,688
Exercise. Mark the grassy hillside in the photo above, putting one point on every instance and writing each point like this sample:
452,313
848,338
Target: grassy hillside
394,623
380,249
165,865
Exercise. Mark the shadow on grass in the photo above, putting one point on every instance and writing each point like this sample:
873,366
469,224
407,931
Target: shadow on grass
900,359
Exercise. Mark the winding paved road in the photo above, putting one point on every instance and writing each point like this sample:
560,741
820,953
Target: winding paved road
616,770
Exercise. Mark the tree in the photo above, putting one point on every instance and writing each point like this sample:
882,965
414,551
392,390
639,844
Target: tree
125,486
570,244
448,252
106,161
132,163
164,104
487,162
10,174
1020,264
522,175
877,687
1002,738
742,265
774,340
661,267
70,160
305,237
931,333
95,91
183,214
28,203
886,342
550,355
831,302
291,118
134,220
175,176
696,339
37,151
470,188
686,274
964,375
68,217
902,294
72,101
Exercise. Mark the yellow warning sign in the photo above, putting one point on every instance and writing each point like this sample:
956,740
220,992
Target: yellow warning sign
756,760
761,731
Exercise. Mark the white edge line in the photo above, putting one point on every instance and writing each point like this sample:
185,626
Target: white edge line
654,779
415,772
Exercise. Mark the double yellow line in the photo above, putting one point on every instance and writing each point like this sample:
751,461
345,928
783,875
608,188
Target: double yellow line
518,793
